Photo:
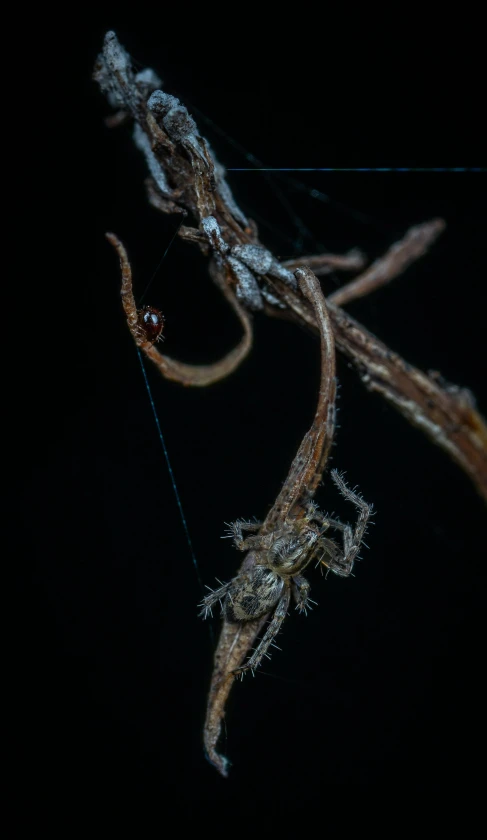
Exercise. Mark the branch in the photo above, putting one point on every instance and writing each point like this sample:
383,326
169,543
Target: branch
187,178
446,413
417,241
195,375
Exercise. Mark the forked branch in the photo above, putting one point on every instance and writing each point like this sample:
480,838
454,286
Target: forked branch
186,178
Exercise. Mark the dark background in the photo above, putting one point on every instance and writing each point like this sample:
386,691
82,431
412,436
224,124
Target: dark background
380,685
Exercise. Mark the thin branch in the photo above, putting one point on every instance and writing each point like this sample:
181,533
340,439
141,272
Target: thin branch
414,244
186,177
308,465
185,374
446,413
322,264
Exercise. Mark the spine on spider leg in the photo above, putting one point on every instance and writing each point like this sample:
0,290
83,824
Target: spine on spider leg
308,465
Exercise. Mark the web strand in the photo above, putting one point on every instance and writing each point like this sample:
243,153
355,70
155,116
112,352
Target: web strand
170,470
149,284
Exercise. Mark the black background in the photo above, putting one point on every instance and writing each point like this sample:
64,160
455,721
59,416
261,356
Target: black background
380,685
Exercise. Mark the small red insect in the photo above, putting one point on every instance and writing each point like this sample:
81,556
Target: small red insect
151,322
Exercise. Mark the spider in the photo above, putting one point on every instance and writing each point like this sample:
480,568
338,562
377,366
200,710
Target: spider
292,536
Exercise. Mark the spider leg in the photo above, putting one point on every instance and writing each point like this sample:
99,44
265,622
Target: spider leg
345,529
301,589
333,554
213,597
246,525
352,539
272,630
235,531
327,521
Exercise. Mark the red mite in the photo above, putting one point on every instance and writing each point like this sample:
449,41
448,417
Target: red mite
151,322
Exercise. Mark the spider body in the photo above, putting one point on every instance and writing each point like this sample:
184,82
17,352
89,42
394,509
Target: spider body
283,555
278,564
253,595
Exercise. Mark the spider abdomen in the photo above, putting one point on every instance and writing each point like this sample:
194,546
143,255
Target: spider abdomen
253,596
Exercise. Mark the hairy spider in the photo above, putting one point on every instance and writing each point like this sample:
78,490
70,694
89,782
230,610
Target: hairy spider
281,557
292,535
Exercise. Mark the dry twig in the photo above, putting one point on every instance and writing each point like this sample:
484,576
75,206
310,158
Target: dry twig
186,178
